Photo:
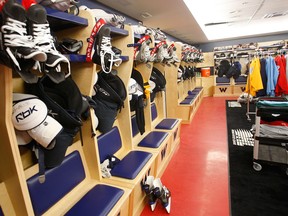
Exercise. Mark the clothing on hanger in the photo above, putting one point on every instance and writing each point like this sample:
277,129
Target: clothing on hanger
255,81
281,85
263,73
272,75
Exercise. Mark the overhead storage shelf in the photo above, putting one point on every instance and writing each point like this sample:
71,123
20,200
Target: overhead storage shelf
82,58
118,31
59,20
76,57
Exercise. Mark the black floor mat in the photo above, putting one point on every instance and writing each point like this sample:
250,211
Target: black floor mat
253,193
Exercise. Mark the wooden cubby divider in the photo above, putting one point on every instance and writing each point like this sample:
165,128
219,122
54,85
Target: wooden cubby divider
11,169
177,91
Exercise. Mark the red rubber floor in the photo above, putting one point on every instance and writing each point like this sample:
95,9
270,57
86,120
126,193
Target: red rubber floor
197,174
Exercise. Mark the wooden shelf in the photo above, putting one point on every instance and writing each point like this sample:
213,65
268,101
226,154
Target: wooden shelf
61,20
75,57
82,58
118,32
223,51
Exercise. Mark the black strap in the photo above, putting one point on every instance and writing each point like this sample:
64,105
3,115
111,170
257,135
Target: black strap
41,164
113,160
93,105
139,111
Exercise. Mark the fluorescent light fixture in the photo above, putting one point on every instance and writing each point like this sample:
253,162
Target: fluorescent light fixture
224,19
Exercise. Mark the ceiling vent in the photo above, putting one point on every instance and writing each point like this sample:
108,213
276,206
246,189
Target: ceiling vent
275,14
146,15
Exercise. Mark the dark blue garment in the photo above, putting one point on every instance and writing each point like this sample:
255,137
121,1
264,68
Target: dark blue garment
263,92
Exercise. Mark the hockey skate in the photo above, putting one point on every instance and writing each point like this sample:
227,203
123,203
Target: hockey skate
39,28
172,53
104,54
148,187
18,45
162,193
110,18
157,34
142,50
160,52
139,29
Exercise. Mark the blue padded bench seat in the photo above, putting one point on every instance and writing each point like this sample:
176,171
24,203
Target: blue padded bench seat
187,101
167,124
191,96
61,180
193,92
241,80
196,90
222,84
154,139
98,201
222,81
130,165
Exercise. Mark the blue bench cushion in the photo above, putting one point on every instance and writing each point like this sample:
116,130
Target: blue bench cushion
153,139
191,96
222,81
109,143
193,93
187,101
154,112
222,84
59,181
131,164
167,124
98,201
241,79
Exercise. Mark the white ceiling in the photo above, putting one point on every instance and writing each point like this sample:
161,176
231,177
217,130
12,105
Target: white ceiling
241,18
